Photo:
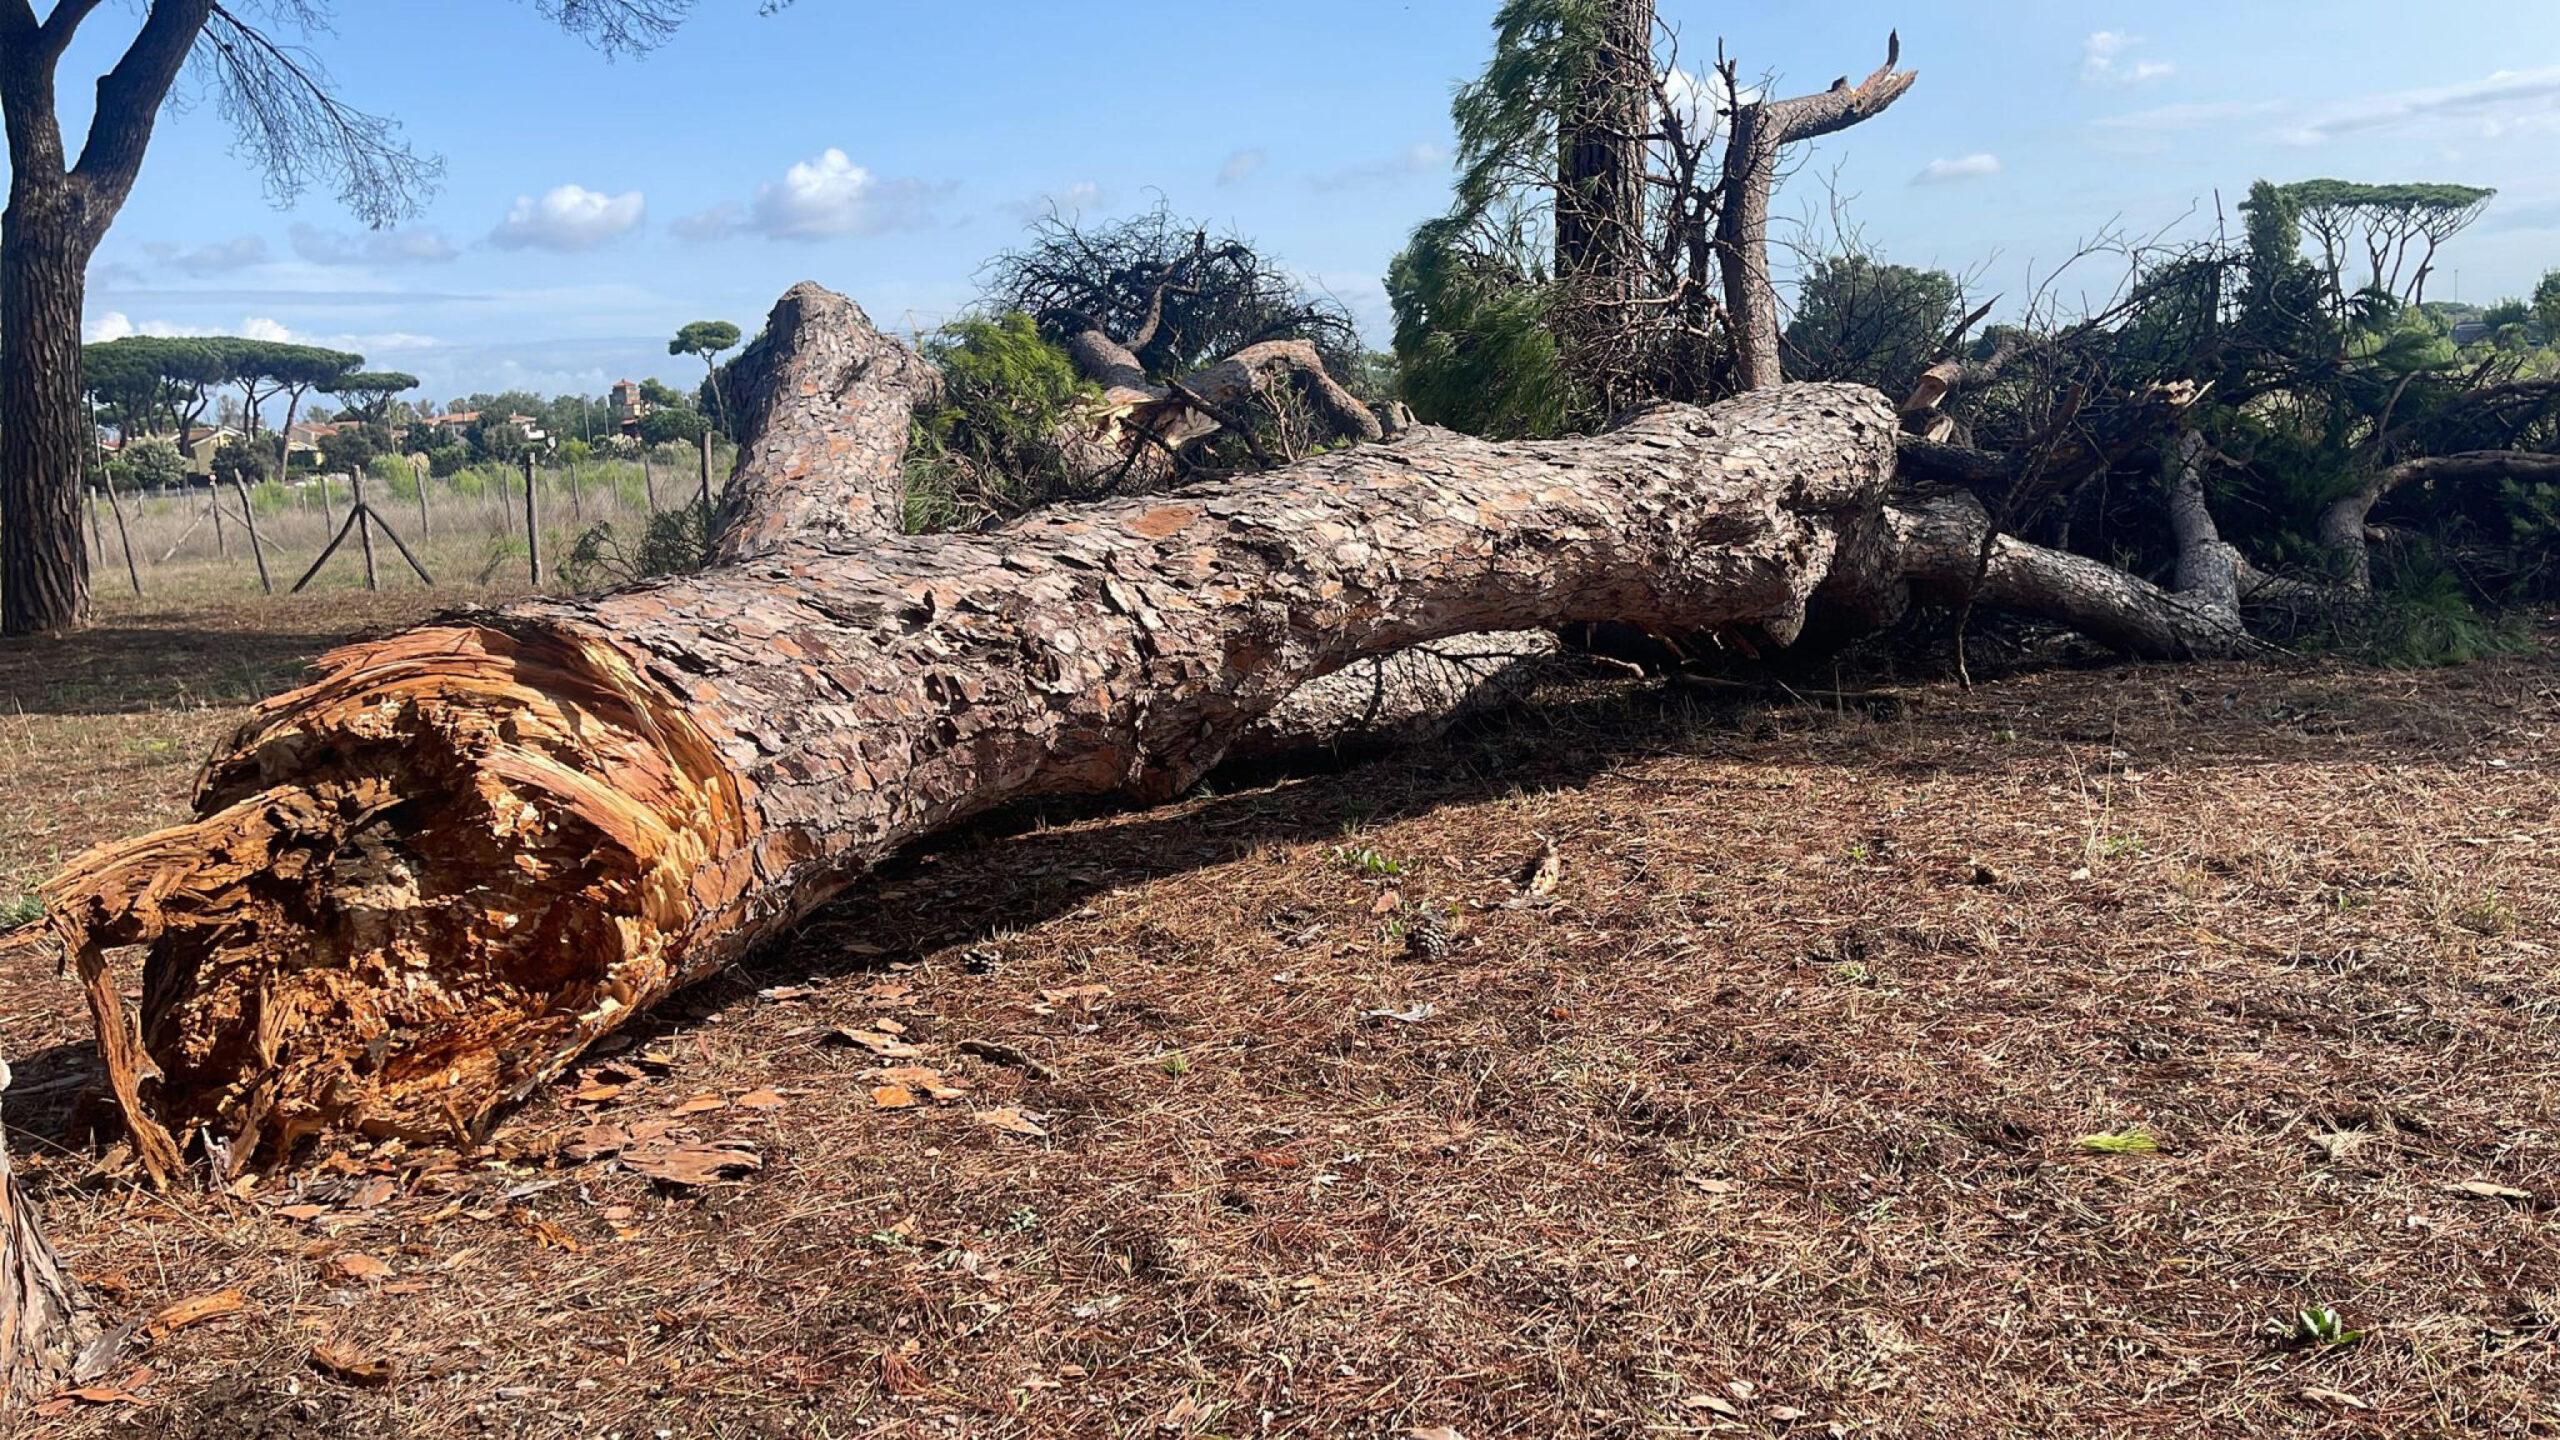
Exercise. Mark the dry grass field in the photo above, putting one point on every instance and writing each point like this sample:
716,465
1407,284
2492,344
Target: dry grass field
2022,1061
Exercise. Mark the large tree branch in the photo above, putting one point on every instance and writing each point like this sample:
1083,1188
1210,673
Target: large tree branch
129,99
1944,548
825,402
2343,524
27,96
61,25
1759,133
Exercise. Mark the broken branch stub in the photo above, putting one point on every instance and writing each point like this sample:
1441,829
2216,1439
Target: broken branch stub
429,879
825,402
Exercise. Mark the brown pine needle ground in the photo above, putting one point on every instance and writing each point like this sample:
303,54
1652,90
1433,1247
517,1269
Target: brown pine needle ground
1798,1106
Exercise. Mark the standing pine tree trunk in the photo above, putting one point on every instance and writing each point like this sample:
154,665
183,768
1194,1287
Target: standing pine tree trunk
44,433
55,218
1600,180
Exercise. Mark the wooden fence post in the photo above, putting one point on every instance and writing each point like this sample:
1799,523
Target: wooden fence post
364,528
648,482
249,518
532,524
124,537
425,472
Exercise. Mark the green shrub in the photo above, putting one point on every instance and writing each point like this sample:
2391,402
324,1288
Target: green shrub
673,542
154,464
397,477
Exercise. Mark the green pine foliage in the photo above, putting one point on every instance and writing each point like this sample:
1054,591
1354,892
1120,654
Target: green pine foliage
1472,340
990,448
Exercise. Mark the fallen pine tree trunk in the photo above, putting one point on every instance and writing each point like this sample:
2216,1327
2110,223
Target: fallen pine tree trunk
428,880
825,400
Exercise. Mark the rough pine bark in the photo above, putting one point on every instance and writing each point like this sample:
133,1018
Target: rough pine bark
824,401
44,435
1601,138
1137,436
824,405
428,880
53,222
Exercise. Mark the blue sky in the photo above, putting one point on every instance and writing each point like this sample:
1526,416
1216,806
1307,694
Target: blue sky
885,148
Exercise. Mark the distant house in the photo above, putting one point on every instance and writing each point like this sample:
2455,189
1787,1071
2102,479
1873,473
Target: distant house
627,407
453,422
306,435
201,443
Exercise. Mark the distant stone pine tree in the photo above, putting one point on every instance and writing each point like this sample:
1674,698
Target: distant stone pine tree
2395,230
292,128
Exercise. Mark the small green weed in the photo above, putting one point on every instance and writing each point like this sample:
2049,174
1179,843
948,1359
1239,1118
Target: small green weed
1368,860
2320,1325
2136,1141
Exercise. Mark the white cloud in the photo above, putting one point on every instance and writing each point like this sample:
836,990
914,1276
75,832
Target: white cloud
1070,201
1423,157
406,245
815,199
2106,56
1963,167
828,197
1700,101
1242,165
568,217
116,325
